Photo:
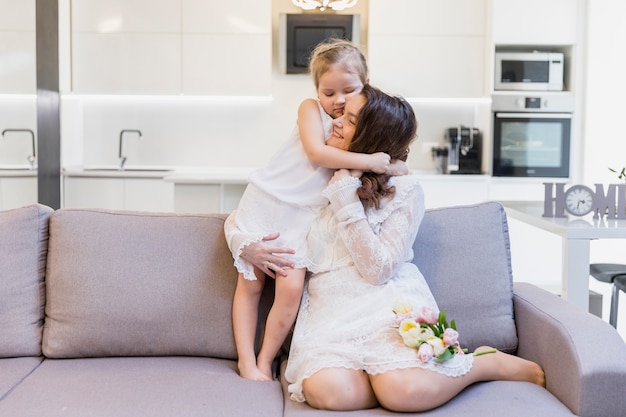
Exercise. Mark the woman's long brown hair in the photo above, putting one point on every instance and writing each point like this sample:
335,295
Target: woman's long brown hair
387,124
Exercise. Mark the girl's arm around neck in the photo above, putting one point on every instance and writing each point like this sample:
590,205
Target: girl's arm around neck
314,144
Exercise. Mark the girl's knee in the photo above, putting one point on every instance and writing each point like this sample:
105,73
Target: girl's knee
291,287
250,287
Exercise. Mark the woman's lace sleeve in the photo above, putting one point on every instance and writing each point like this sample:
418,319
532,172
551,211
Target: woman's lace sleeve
379,245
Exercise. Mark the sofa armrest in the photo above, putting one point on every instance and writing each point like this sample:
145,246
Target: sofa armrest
583,357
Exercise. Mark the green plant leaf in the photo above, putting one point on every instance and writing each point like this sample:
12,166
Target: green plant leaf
442,318
444,356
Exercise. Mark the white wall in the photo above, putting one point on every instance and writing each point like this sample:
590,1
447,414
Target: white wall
186,130
536,255
605,144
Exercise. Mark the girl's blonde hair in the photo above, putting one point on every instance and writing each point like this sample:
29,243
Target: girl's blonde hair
337,51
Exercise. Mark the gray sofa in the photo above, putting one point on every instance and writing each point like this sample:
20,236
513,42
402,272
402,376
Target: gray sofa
108,313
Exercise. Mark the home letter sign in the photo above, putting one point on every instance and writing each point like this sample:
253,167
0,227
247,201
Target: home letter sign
580,200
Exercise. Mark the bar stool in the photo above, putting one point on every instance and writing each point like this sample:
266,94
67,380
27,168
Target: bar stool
612,274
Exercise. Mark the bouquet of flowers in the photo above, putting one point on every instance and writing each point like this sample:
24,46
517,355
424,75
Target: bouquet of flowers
427,331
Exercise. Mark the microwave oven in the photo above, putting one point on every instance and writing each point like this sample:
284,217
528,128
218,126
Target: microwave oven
529,71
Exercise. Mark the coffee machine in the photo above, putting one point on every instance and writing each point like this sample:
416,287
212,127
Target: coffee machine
464,150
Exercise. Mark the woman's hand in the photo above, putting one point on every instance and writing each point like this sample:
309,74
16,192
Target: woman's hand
264,256
342,173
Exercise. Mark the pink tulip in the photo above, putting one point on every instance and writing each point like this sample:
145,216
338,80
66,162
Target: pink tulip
408,316
450,336
428,316
425,352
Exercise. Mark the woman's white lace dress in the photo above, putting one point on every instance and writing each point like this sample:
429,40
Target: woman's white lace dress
361,265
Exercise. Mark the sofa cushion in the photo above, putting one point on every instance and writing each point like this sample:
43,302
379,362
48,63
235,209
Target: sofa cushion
23,251
14,370
136,387
138,284
464,254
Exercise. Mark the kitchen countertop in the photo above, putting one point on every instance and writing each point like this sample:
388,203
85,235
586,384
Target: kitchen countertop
17,171
213,175
112,171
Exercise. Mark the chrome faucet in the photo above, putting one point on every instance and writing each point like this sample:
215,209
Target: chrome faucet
31,158
120,154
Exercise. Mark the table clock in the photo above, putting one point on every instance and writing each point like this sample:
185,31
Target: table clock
580,200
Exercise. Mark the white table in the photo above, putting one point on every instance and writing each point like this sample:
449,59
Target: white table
577,234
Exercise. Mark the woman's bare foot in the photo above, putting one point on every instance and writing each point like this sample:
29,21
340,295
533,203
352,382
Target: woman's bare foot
514,368
252,372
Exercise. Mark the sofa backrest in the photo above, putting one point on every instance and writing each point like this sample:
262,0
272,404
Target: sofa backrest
464,254
138,284
23,251
142,284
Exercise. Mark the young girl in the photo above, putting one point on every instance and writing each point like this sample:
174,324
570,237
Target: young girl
285,196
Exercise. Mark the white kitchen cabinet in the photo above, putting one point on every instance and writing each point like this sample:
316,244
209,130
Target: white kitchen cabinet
227,47
129,16
143,194
148,195
18,191
534,22
211,67
453,190
426,17
126,63
211,191
519,189
424,70
243,16
170,47
198,198
219,190
107,193
18,74
126,47
420,48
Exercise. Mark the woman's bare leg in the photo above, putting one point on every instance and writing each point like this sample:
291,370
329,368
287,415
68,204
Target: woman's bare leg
339,389
414,390
245,318
281,317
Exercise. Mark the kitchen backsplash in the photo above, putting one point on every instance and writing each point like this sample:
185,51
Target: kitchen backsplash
237,131
17,113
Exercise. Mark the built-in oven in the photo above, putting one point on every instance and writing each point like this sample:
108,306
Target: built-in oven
532,135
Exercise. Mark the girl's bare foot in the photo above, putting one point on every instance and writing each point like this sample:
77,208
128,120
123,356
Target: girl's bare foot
265,369
252,372
514,368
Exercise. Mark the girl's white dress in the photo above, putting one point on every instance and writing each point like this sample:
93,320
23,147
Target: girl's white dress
361,265
285,196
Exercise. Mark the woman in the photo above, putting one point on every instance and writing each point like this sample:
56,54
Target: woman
345,354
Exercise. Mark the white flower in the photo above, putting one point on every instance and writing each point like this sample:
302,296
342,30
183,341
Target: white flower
426,331
437,344
410,332
402,306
